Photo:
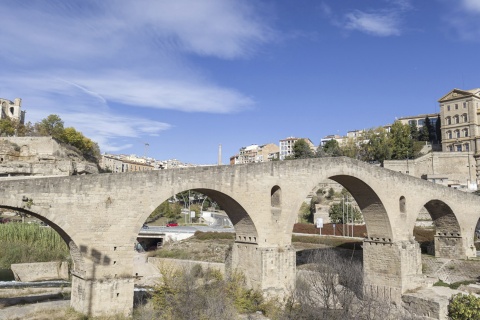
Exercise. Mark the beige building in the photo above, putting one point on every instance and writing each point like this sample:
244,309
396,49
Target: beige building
286,146
256,153
460,114
12,110
419,121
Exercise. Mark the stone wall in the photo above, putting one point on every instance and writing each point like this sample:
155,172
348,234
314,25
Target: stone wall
40,271
454,165
188,264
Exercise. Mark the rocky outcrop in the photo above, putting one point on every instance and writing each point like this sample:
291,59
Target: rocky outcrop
40,271
41,156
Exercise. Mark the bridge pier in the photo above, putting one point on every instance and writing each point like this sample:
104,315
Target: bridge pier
269,269
452,246
391,268
100,297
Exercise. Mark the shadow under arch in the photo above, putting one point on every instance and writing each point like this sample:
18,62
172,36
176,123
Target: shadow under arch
448,238
245,229
373,211
75,253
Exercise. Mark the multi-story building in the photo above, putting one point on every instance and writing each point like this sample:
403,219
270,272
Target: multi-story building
256,153
286,146
459,111
419,121
460,116
335,137
12,110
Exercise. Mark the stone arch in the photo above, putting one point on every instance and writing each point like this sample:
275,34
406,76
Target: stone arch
75,253
374,212
244,227
448,238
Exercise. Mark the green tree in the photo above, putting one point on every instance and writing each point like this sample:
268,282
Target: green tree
51,126
302,150
401,141
340,209
332,149
7,127
438,131
430,129
377,146
414,133
349,149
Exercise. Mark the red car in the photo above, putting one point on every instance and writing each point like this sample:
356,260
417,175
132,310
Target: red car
172,224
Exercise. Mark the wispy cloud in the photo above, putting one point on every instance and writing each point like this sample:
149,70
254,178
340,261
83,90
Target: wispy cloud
377,24
381,22
110,57
471,5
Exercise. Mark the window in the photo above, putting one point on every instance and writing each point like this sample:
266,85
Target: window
456,106
412,122
464,117
464,105
455,119
448,107
449,134
448,120
465,132
450,148
457,133
467,147
421,122
459,147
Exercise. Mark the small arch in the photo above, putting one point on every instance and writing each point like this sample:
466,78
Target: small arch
276,197
402,203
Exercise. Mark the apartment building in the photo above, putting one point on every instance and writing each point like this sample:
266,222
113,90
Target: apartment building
286,146
256,153
459,111
419,121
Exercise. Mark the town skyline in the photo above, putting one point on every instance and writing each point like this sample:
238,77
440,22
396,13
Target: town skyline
185,77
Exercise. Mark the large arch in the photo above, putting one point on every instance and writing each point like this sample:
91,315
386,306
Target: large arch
374,212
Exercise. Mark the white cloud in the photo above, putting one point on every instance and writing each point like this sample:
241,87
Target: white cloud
373,23
471,5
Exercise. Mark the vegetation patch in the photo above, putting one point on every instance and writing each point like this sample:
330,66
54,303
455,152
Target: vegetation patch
27,243
199,235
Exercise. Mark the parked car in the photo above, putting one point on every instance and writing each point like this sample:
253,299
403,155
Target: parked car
172,224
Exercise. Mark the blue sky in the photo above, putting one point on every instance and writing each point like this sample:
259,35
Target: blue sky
185,76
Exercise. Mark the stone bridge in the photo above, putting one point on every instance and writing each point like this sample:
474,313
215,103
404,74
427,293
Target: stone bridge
99,216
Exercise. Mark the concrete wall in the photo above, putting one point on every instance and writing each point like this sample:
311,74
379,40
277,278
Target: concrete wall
40,271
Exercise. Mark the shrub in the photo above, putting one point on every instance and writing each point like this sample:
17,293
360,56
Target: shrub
199,235
464,307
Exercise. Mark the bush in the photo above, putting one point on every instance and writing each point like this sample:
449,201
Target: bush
464,307
199,235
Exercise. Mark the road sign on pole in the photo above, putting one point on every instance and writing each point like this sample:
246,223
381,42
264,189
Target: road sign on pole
320,224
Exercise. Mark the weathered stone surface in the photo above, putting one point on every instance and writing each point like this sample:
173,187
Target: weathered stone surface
40,156
100,217
429,303
40,271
